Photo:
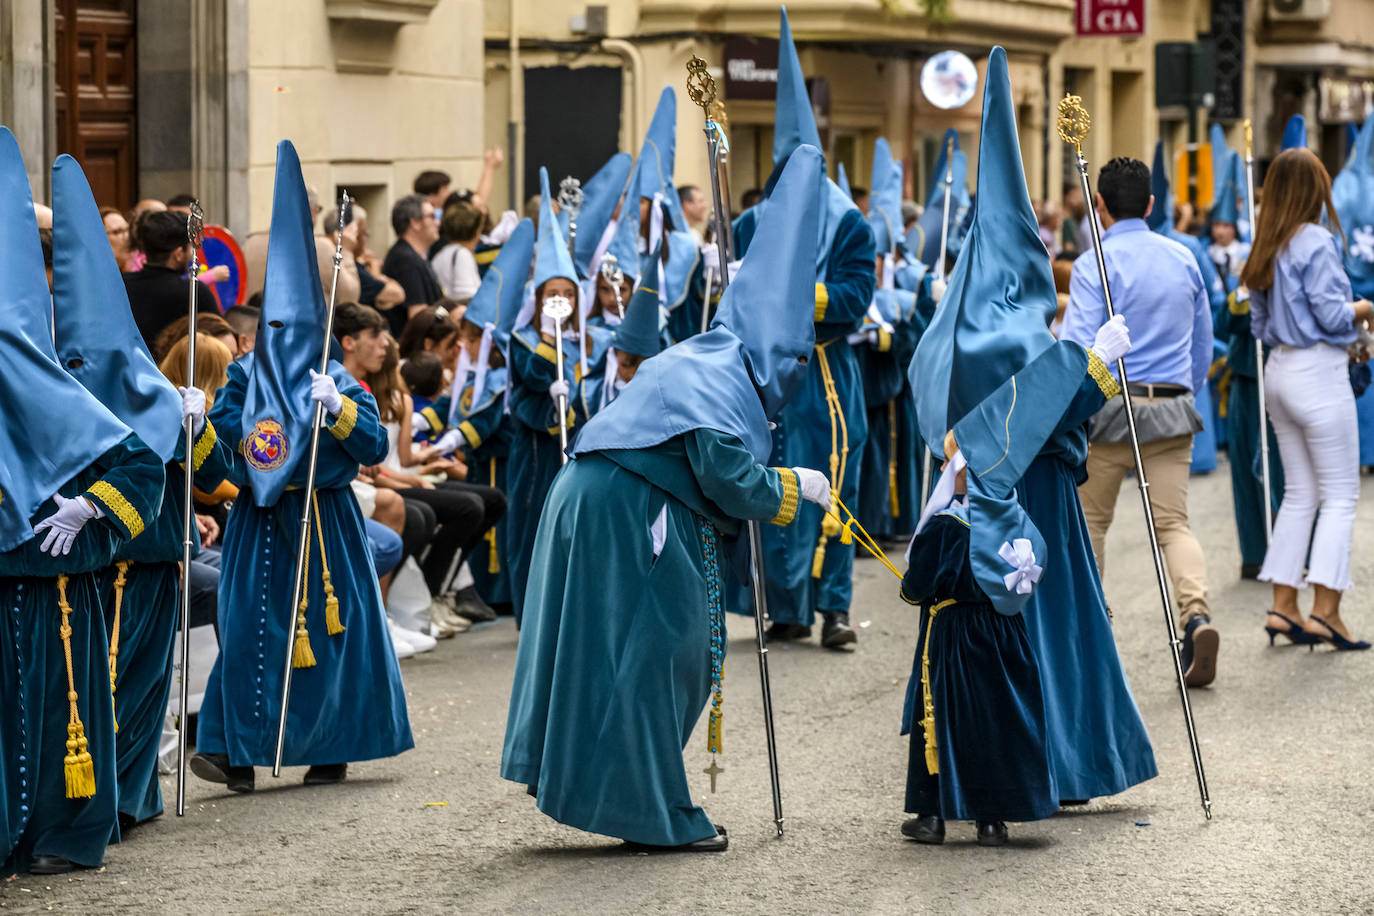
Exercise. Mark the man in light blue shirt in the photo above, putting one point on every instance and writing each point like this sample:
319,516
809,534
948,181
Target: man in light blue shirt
1157,286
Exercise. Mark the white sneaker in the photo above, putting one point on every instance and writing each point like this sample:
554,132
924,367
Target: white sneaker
403,647
420,642
441,614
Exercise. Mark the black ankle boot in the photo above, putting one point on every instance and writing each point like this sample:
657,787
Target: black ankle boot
992,833
928,829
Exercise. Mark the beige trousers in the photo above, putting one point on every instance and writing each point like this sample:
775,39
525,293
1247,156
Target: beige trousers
1166,465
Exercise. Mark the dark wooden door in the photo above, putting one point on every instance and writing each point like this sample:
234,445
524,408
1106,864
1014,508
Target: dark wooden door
96,98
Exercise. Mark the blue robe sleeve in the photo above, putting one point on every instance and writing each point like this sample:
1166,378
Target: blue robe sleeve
533,370
843,298
484,424
1006,431
226,416
129,491
211,459
741,487
358,427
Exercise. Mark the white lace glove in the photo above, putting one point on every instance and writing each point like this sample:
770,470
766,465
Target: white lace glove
449,442
193,406
937,289
64,524
814,486
559,389
419,423
1113,340
324,391
710,259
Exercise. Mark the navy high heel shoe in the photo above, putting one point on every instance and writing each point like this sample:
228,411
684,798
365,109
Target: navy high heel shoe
1295,633
1340,642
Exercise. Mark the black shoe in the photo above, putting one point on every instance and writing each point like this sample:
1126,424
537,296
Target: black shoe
992,833
928,829
1073,802
718,843
326,774
837,632
51,865
469,604
786,631
1199,651
215,768
1249,571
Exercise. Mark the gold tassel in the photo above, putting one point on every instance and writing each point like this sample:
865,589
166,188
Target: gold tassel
77,765
120,578
332,624
301,654
892,461
818,559
928,721
715,734
493,561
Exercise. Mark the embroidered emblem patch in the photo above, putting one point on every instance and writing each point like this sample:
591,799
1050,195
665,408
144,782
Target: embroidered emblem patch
266,448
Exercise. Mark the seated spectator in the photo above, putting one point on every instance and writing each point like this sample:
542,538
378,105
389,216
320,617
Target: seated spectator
157,293
456,265
207,324
117,228
434,330
374,287
137,257
417,227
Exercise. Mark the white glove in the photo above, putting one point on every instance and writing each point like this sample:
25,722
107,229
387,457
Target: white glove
64,524
1113,340
193,406
449,442
419,423
937,289
547,326
559,389
710,259
815,487
324,391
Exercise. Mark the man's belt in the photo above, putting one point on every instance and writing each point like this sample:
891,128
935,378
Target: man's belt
1137,390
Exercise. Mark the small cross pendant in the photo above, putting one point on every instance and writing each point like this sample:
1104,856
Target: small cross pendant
713,771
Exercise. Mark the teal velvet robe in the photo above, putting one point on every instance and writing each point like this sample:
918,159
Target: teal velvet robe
535,457
1242,436
486,450
614,664
802,437
149,617
351,705
38,819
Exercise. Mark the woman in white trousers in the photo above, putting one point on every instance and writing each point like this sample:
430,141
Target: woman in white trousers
1301,307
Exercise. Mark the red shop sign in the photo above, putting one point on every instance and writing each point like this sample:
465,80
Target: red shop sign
1110,18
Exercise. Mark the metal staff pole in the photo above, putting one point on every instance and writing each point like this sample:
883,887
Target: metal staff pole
706,300
944,222
702,90
1259,347
570,199
559,308
298,585
1074,124
195,232
614,277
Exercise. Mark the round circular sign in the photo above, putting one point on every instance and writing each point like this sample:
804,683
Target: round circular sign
949,79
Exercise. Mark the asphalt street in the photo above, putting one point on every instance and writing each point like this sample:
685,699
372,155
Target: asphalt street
1286,737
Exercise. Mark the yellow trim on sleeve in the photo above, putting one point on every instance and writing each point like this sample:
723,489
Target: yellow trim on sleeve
790,497
488,256
436,425
343,424
1236,305
572,421
547,351
470,433
884,340
203,447
822,301
1109,386
114,501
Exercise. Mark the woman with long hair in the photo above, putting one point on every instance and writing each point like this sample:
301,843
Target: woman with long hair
1302,307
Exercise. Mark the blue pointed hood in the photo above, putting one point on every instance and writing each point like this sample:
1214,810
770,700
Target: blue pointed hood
95,333
600,195
277,410
794,123
625,243
51,428
991,321
497,301
1294,133
1228,204
1352,193
842,179
1160,213
638,333
960,202
885,214
653,173
742,370
551,258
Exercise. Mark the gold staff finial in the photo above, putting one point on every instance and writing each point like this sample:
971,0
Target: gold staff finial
1074,122
701,86
1249,139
